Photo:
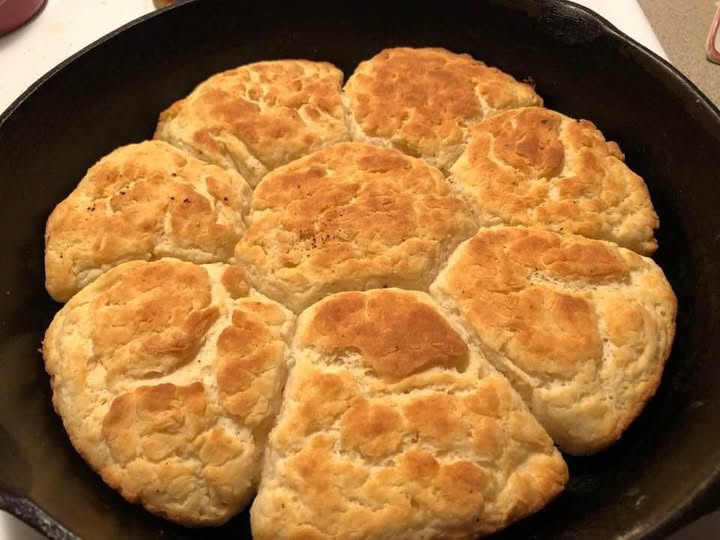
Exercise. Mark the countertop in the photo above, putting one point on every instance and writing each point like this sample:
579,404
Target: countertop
682,27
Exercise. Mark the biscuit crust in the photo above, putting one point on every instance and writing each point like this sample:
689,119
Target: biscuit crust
257,117
143,201
351,216
393,426
421,101
581,328
539,168
167,376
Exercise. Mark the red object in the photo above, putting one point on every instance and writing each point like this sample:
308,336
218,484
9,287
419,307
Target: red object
713,54
14,13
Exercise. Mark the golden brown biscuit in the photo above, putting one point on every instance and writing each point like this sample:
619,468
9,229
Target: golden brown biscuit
582,328
393,427
351,216
257,117
537,167
167,376
421,101
142,201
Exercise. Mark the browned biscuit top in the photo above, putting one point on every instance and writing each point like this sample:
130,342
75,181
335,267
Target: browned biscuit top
143,201
421,101
539,168
257,117
382,436
351,216
167,375
570,321
396,337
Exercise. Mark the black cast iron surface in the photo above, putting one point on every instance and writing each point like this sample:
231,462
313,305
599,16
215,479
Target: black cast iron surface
662,473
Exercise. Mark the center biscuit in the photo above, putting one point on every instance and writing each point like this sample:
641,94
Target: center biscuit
351,216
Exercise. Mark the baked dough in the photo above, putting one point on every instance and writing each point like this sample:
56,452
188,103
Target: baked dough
257,117
393,426
421,101
167,376
537,167
143,201
351,216
404,416
581,328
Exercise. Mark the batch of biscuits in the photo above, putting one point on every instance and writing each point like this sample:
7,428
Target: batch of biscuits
373,310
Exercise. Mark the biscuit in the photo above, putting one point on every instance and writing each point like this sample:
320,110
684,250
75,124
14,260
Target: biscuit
580,327
421,101
351,216
257,117
539,168
167,376
142,201
393,426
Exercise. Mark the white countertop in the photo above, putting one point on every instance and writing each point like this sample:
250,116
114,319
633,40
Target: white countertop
66,26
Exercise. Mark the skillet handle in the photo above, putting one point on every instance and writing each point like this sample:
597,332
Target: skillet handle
28,512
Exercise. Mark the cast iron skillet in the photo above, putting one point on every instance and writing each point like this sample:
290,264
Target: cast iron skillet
665,470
